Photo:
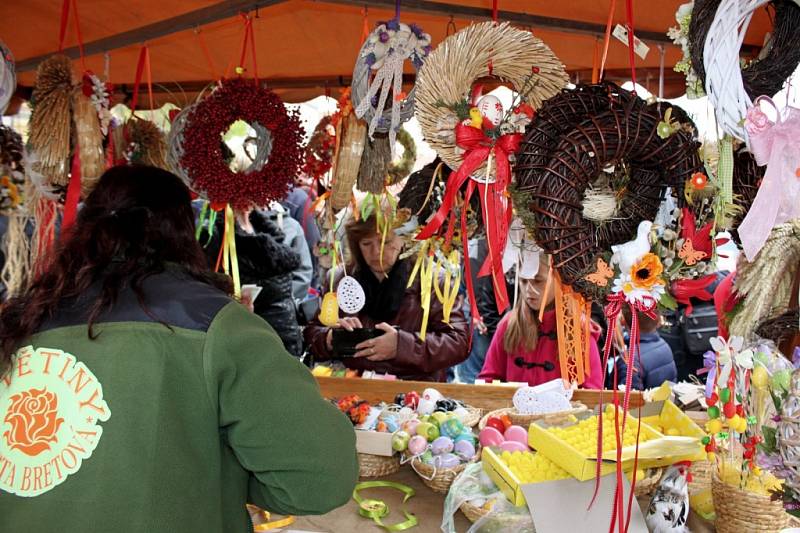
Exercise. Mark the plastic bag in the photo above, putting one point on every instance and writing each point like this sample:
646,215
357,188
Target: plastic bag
474,486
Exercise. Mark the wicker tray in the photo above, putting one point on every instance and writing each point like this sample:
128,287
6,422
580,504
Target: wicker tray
377,465
526,420
739,511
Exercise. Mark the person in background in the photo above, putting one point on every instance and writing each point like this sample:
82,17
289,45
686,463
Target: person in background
526,350
264,261
298,203
655,363
484,327
395,309
165,397
295,239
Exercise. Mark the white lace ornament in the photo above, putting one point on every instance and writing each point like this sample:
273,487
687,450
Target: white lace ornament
350,295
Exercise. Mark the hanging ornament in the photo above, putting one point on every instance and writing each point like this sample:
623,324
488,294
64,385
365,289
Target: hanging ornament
329,311
350,295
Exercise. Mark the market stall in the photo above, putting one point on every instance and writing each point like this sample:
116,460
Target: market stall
583,192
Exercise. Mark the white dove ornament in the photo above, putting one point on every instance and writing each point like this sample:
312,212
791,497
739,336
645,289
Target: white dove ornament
628,254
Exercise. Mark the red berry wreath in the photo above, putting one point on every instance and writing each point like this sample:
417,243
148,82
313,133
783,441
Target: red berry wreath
203,161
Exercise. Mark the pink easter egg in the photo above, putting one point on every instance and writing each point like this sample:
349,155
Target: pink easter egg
517,433
513,446
417,445
411,426
489,436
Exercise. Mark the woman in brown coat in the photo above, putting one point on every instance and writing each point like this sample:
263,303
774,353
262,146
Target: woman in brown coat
395,309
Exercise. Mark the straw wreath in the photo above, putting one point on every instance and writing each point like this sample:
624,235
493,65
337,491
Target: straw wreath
731,90
486,49
575,141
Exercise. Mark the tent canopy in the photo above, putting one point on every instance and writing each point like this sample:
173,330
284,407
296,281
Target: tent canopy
305,48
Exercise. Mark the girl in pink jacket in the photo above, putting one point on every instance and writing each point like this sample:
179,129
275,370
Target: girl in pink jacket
524,349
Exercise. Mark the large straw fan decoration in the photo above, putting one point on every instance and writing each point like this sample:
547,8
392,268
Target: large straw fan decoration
473,134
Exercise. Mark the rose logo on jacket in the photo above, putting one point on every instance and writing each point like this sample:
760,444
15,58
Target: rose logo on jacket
50,405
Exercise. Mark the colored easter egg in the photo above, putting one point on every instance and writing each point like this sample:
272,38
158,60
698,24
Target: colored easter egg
427,430
400,441
439,417
491,109
452,427
427,457
725,395
461,413
713,412
442,445
464,449
426,407
489,436
467,436
496,423
411,426
447,460
329,310
432,395
411,399
517,433
513,446
417,444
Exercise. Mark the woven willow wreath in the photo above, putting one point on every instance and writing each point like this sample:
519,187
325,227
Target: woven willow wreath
578,138
729,93
515,56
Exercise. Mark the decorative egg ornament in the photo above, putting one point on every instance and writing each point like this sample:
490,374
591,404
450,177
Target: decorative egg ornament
491,109
329,310
350,295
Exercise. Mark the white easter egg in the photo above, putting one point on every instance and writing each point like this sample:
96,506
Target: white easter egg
432,395
426,407
350,295
491,109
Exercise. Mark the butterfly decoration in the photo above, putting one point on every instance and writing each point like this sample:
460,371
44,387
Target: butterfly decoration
689,255
600,276
729,352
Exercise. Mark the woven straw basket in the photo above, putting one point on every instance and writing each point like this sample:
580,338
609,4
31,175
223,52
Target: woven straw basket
377,465
437,479
526,420
701,476
648,485
739,511
474,416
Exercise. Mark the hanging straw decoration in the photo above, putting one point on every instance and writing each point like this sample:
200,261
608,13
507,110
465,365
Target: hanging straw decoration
766,283
50,120
147,143
398,171
375,163
8,77
351,136
90,136
12,183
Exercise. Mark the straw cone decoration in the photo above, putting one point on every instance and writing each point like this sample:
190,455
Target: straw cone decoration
90,141
50,120
766,283
149,145
17,248
347,160
451,69
375,163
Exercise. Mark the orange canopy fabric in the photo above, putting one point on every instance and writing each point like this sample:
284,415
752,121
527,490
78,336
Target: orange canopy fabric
304,47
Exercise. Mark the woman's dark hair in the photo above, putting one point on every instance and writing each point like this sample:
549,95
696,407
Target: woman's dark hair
137,220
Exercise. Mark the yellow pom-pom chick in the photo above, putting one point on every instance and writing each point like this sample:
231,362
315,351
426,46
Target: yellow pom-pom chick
476,120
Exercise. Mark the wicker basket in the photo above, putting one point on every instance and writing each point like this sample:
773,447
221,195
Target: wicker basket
473,417
739,511
437,479
701,476
526,420
377,465
473,512
648,485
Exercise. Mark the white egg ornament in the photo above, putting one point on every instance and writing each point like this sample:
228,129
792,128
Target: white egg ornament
491,109
350,295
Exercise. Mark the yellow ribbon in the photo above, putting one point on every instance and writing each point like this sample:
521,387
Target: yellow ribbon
450,293
265,516
426,279
229,258
377,509
420,257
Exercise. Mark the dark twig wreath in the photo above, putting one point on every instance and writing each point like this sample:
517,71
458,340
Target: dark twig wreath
203,161
764,76
780,328
565,153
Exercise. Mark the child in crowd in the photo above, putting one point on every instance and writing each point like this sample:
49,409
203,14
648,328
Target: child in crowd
524,349
655,363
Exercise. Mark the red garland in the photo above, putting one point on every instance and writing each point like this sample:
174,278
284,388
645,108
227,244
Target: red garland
241,99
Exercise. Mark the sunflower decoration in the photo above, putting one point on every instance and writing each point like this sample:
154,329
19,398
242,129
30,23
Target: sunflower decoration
644,281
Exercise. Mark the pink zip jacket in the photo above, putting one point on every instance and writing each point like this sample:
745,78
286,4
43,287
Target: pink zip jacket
537,366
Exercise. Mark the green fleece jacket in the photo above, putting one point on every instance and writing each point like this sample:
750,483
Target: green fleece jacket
173,429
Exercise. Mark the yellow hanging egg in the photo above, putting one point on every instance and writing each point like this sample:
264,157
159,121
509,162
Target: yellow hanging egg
329,311
760,377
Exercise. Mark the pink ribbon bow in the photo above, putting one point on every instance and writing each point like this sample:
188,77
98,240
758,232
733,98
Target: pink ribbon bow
778,199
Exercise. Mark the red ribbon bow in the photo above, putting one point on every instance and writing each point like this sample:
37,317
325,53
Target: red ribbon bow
495,205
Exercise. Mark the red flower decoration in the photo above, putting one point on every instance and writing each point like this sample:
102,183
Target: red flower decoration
699,180
241,99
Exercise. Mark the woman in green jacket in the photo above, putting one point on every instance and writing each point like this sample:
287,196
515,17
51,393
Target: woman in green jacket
136,396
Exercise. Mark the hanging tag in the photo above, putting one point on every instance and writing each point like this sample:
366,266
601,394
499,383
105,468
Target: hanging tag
641,49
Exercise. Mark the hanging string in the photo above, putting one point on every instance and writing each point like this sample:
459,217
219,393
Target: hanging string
397,10
662,52
142,67
494,11
365,24
596,62
631,54
65,7
451,24
204,47
607,38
